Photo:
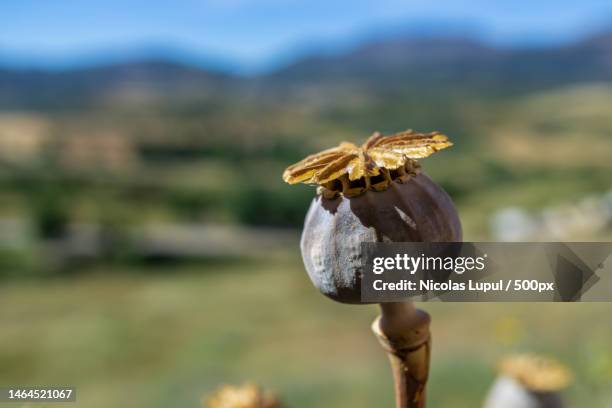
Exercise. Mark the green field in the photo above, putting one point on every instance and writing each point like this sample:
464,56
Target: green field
166,337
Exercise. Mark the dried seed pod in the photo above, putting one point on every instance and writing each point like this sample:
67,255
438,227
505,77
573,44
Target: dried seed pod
245,396
528,381
374,193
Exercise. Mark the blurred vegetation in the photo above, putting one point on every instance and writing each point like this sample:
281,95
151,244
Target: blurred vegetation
223,164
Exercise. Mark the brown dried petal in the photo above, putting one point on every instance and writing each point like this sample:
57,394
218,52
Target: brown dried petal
335,169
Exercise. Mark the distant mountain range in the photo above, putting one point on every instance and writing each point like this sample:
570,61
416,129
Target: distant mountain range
39,89
460,60
401,64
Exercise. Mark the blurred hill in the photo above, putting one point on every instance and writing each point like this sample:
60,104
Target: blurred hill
37,89
460,62
400,64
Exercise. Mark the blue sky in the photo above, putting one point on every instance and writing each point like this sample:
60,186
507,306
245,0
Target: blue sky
254,31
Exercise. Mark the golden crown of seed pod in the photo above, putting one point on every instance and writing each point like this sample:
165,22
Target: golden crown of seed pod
245,396
369,193
536,373
351,170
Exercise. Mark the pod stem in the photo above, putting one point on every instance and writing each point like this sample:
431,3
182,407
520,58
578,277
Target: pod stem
403,332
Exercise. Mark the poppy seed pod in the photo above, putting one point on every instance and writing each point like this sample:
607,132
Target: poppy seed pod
245,396
372,193
528,381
